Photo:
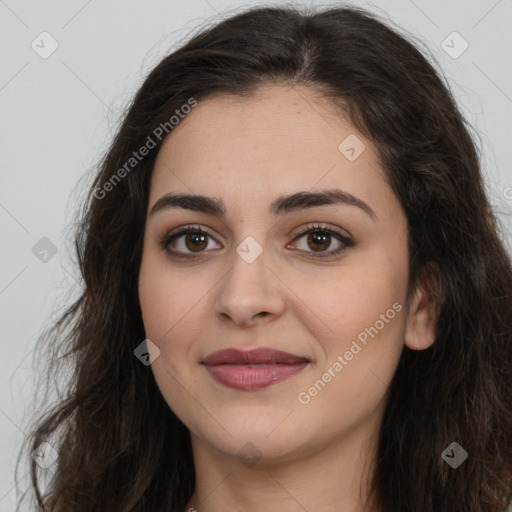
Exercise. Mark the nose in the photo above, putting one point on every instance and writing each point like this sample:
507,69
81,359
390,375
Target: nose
250,293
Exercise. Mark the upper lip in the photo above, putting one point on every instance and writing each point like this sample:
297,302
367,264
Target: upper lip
263,355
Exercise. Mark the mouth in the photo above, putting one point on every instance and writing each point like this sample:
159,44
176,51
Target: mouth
253,369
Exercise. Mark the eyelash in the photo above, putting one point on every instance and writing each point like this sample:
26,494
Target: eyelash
310,228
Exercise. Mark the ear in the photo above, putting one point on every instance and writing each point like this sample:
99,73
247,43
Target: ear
424,306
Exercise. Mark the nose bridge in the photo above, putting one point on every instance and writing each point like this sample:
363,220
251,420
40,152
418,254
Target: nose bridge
249,287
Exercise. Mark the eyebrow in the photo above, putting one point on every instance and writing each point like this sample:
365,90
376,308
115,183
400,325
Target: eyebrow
282,205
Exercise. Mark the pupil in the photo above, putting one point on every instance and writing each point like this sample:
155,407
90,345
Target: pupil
316,239
320,240
197,239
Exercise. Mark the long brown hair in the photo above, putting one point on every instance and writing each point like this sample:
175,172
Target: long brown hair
121,448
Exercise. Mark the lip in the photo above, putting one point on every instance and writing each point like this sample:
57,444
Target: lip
235,368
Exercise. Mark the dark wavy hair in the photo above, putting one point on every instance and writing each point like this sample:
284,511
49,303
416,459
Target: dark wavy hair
121,448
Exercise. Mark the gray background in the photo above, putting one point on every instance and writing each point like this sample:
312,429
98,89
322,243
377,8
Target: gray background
58,115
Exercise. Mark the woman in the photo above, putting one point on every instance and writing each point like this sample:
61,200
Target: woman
295,295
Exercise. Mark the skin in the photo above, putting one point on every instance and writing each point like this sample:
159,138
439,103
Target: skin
248,151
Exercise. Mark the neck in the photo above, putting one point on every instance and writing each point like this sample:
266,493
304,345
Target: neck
332,477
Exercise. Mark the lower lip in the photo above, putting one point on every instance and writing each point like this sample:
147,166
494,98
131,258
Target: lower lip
248,378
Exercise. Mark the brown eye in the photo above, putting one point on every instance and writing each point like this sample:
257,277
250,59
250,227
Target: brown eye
186,241
196,241
191,241
318,239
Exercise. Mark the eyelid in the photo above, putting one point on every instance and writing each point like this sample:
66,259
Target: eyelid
333,230
346,240
174,234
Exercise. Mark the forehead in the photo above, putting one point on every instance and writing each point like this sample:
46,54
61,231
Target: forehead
279,140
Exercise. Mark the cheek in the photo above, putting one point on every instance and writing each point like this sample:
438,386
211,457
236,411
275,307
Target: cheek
356,299
354,373
166,298
361,338
169,305
173,303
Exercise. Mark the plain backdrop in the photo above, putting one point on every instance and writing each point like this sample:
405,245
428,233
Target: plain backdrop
59,111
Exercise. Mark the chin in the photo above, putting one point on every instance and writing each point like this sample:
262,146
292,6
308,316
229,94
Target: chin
256,446
256,435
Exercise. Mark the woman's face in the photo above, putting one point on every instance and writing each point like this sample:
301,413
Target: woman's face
280,168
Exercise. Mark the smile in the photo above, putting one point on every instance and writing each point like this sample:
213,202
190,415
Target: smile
251,377
255,369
